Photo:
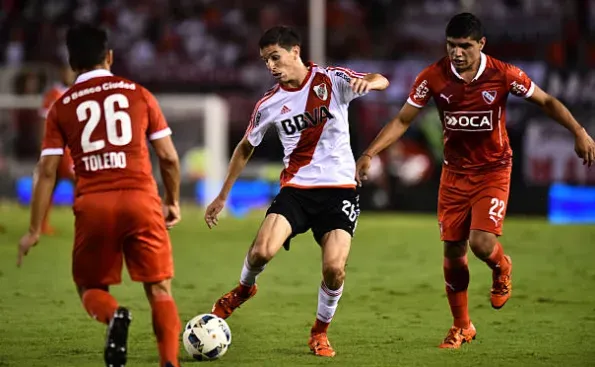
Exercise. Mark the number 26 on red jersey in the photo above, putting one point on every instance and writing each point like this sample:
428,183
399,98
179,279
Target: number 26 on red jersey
118,131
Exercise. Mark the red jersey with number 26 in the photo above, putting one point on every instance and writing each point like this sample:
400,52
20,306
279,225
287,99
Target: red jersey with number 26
105,120
473,114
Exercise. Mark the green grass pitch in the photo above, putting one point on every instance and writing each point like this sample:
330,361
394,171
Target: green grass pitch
393,311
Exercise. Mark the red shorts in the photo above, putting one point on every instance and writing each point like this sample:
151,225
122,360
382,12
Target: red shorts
116,225
472,201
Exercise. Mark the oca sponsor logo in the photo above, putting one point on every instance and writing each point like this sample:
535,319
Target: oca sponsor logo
468,121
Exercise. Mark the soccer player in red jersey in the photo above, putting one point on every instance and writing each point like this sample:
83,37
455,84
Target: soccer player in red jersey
66,169
470,90
106,120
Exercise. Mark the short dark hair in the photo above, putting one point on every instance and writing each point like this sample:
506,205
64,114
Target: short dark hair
465,25
87,46
283,36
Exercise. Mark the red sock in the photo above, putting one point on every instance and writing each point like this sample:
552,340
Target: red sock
319,327
166,325
100,305
456,276
495,259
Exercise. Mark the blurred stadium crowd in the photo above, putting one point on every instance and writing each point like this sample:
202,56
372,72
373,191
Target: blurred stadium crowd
205,35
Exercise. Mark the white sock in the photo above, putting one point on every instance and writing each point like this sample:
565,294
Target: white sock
328,300
249,274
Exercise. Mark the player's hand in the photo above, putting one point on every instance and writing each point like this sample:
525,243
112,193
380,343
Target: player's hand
27,241
361,169
584,146
359,85
172,215
213,210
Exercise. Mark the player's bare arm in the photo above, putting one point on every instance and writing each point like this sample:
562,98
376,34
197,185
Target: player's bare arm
42,193
368,82
239,159
169,164
584,145
390,133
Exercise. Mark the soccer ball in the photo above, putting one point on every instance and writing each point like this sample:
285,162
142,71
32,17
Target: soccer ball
206,337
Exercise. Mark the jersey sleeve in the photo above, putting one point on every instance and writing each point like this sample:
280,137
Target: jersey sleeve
158,127
53,137
519,83
341,77
420,91
259,123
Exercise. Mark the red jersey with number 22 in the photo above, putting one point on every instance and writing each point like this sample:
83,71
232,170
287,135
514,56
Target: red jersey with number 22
473,114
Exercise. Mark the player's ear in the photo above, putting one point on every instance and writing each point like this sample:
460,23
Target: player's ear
68,75
109,58
71,64
482,43
295,50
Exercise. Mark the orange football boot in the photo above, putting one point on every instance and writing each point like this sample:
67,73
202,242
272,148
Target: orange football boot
501,283
457,336
320,346
225,305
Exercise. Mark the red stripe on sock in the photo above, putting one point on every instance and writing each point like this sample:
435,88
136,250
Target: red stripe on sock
330,292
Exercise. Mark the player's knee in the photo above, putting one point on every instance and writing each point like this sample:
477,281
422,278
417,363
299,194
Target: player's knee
482,243
334,275
262,251
158,289
455,249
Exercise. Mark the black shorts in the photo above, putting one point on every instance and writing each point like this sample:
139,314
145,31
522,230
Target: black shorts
321,210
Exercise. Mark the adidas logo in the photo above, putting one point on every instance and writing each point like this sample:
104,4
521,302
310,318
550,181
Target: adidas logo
285,109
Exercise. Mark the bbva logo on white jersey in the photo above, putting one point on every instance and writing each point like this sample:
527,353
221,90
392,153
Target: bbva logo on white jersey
299,122
468,120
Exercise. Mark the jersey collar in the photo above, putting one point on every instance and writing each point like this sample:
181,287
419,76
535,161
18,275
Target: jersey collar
97,73
483,60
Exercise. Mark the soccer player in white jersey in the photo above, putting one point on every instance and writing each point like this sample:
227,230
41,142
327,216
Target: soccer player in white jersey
308,107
